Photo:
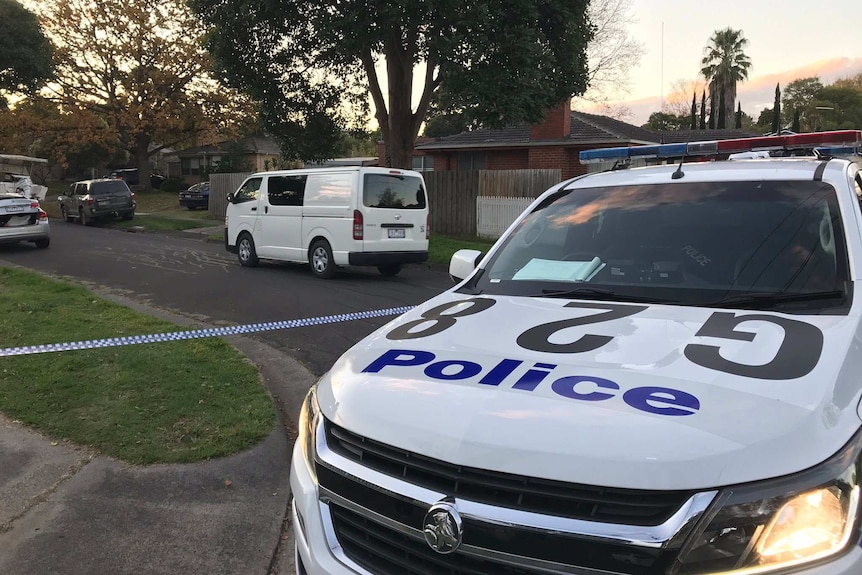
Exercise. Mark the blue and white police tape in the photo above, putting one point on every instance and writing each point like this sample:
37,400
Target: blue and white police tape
200,333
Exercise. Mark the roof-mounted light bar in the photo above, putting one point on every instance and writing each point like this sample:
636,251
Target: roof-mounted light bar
838,138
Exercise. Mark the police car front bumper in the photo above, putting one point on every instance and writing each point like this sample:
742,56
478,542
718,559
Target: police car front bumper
317,550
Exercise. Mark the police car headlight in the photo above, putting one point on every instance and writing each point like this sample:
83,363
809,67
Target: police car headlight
779,524
308,419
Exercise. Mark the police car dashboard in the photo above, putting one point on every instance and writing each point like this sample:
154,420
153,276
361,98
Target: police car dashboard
750,234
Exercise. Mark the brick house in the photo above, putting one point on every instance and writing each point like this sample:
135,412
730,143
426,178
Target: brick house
555,143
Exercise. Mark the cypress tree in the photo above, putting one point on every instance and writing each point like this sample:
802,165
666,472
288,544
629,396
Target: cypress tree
776,112
694,110
712,103
738,123
703,111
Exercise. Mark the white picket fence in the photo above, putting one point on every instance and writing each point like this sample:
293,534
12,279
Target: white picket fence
495,215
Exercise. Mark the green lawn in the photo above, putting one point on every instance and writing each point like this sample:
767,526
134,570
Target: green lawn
441,248
161,402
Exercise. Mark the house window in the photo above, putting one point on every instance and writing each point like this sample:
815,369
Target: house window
423,163
468,161
191,166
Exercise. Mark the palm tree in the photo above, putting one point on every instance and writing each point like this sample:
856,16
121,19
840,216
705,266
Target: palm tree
725,64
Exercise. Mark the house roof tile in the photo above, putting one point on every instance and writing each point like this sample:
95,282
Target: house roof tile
587,128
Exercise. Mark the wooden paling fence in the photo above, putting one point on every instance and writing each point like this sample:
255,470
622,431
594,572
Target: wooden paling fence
454,196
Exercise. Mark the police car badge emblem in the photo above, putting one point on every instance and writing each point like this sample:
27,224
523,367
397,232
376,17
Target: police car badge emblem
442,527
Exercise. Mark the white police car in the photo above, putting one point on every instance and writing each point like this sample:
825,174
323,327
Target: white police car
654,371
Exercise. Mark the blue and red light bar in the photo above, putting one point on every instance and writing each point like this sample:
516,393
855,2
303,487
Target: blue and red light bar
838,138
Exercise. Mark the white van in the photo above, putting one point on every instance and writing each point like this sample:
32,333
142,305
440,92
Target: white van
330,217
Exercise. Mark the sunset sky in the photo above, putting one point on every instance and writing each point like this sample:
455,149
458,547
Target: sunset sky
786,40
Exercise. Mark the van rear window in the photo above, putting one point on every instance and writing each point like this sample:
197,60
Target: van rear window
393,191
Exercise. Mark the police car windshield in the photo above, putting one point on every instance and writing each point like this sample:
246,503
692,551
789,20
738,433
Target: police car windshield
692,243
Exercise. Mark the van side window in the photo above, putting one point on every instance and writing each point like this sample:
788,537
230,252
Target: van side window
286,190
248,191
328,190
393,191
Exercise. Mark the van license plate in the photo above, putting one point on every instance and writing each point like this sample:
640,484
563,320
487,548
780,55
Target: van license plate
396,232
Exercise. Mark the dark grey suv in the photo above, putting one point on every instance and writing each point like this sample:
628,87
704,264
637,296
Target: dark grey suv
91,200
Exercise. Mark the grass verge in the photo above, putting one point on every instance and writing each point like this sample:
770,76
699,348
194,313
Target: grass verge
170,402
441,248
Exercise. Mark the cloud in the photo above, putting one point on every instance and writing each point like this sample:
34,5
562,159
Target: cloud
758,92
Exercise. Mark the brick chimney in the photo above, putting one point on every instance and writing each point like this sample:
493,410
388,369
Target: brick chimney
556,125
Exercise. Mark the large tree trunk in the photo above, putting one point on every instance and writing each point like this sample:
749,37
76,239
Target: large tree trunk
730,99
399,124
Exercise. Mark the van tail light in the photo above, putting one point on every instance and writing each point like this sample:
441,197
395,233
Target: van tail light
358,225
427,227
43,215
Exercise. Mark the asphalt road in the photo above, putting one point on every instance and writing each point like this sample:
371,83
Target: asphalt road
182,273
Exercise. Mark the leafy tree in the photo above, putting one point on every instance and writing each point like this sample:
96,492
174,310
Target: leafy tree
801,95
776,111
664,121
25,54
796,127
445,124
764,120
838,107
137,66
724,65
311,65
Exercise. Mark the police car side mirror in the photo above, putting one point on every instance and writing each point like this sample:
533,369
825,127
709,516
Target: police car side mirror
463,263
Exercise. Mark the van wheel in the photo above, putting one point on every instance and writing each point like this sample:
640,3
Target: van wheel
65,214
246,252
321,260
84,219
390,270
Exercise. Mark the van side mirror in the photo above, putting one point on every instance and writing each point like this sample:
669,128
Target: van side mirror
230,198
463,263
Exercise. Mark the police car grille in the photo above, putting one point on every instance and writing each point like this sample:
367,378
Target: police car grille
592,503
384,550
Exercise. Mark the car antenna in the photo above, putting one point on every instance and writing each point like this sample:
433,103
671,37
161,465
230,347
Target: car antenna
678,173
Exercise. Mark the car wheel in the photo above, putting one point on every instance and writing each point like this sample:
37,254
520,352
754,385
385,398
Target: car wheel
65,213
320,258
246,252
84,218
192,208
389,270
43,243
